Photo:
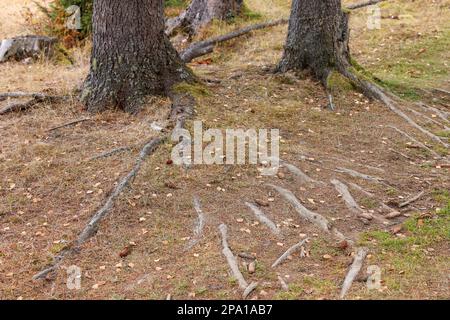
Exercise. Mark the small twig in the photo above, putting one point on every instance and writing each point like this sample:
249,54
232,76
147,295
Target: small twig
289,252
68,124
263,218
356,266
411,200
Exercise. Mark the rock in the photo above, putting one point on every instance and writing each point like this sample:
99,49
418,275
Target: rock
31,46
252,267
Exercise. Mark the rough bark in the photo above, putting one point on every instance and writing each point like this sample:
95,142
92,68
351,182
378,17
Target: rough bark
202,12
317,39
131,57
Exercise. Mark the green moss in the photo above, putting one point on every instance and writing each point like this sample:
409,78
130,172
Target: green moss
195,89
337,82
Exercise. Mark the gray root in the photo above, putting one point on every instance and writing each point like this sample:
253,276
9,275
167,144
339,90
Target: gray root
352,205
250,288
356,174
411,200
201,48
263,218
392,212
444,115
312,217
283,284
231,259
420,144
355,268
298,173
374,91
289,252
363,4
198,230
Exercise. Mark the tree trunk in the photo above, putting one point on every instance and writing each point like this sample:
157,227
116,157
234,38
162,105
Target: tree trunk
317,39
202,12
131,57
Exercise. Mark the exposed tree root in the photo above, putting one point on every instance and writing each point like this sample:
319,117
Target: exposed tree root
283,284
402,154
356,174
312,217
353,205
355,268
444,115
420,144
350,201
201,48
411,200
68,124
289,252
149,148
108,154
431,120
392,212
304,178
264,219
374,91
363,4
198,230
232,262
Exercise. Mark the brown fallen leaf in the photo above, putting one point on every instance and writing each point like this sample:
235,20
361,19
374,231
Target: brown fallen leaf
125,252
262,203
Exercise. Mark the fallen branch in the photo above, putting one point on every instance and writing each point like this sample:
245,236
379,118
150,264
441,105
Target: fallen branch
289,252
355,268
420,144
201,48
68,124
363,4
198,230
411,200
36,98
263,218
312,217
149,148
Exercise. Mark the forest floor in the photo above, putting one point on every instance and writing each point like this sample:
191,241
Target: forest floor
50,186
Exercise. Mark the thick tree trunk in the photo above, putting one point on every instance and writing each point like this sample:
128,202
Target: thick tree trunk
131,57
318,38
202,12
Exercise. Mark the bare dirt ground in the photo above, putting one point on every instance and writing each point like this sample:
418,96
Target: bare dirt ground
50,185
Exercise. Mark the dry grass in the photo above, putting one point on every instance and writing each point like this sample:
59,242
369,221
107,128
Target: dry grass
49,189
